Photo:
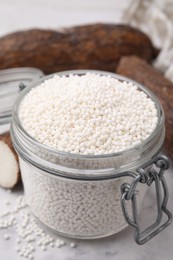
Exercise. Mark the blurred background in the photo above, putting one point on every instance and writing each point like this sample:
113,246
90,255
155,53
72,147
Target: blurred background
18,14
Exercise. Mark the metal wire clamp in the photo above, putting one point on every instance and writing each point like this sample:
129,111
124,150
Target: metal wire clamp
151,172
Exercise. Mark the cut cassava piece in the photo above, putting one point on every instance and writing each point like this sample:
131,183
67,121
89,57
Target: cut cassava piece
9,166
139,70
97,46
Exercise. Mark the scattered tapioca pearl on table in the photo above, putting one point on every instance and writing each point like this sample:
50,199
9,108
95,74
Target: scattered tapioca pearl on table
88,114
29,236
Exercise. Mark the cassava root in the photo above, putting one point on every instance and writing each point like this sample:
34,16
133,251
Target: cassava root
96,46
9,166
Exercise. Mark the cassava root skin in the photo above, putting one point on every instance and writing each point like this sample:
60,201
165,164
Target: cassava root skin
95,46
138,70
9,165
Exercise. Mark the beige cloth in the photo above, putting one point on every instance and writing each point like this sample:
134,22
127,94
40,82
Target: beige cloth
155,18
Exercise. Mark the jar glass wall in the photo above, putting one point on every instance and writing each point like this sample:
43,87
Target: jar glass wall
79,195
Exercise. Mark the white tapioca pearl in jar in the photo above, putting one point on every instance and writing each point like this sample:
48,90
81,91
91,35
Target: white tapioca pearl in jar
86,124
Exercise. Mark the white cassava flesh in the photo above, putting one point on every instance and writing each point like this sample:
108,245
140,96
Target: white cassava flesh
9,167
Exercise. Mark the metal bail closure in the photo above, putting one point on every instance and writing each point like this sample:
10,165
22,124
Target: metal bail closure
151,172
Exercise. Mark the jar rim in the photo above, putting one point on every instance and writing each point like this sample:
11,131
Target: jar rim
150,94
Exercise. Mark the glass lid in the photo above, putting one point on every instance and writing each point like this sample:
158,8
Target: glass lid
11,83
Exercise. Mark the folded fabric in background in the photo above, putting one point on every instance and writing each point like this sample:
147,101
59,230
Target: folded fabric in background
155,18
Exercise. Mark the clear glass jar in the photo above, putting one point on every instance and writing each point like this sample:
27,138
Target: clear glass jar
80,195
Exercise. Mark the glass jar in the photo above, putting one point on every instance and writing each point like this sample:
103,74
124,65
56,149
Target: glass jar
11,81
84,196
